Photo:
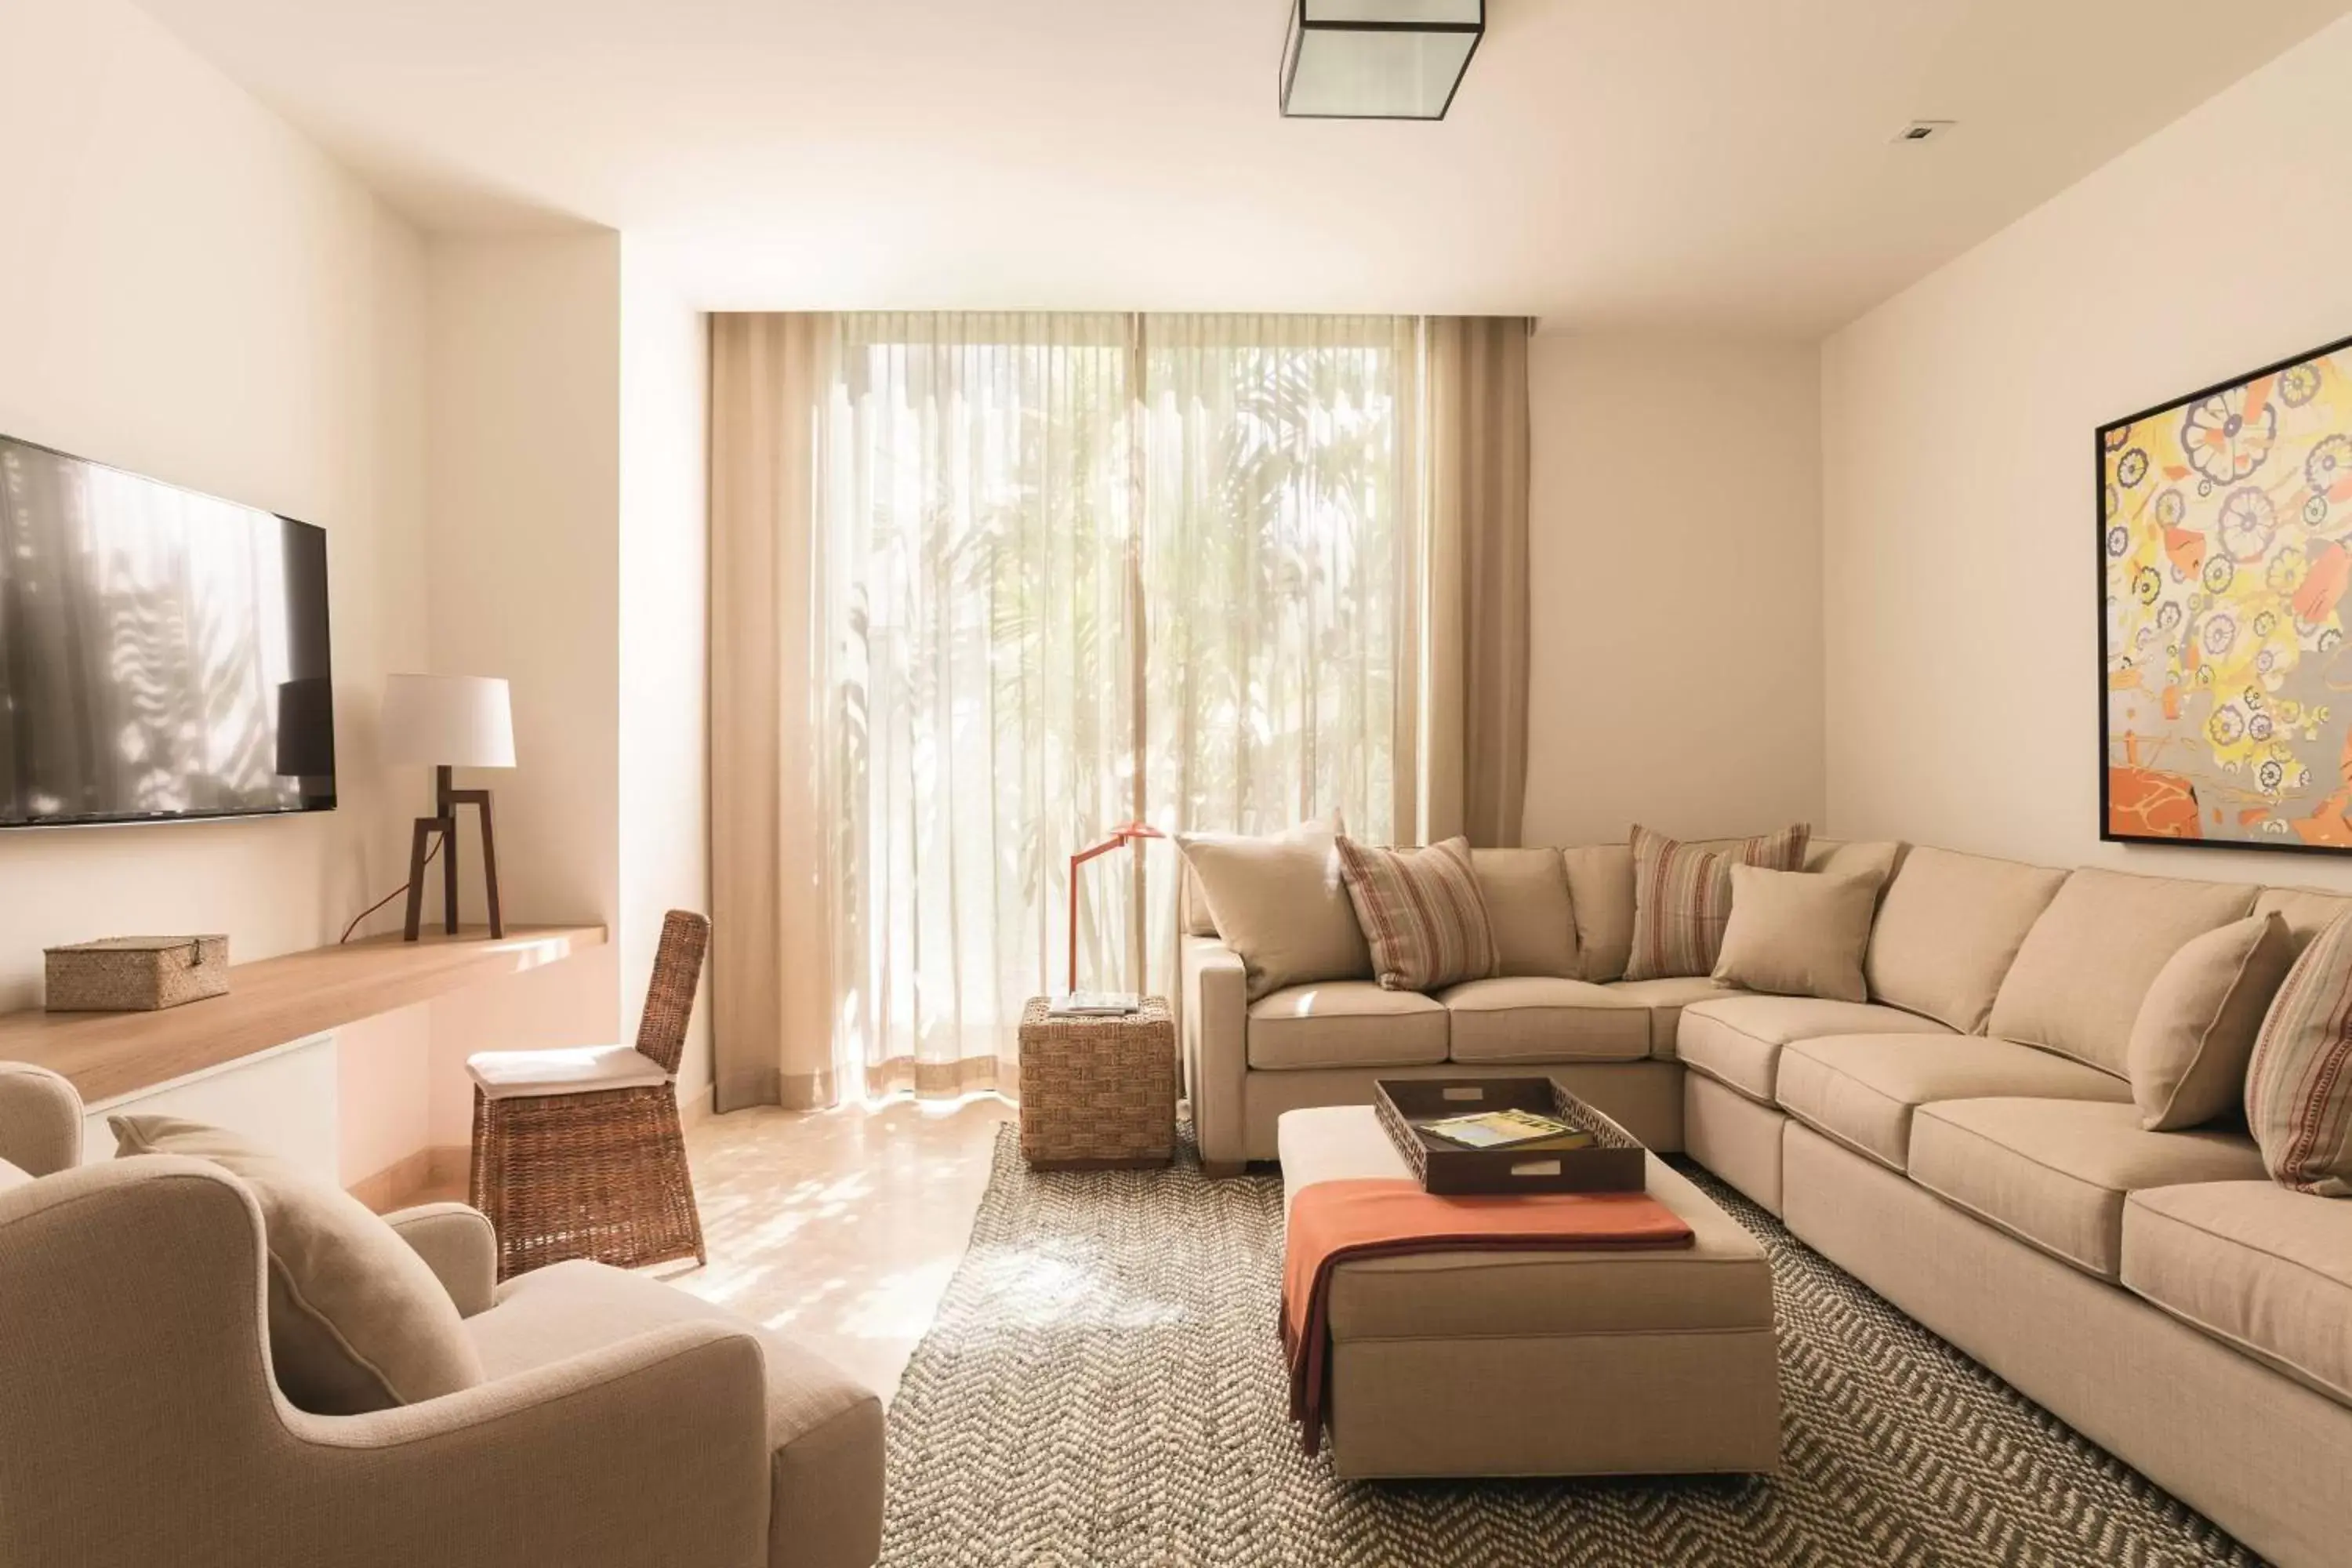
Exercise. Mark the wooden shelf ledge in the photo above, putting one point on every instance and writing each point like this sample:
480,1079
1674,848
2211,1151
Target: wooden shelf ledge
273,1001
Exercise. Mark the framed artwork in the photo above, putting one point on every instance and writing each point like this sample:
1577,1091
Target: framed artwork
2225,550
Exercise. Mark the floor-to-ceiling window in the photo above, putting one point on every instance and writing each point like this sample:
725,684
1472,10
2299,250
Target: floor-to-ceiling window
1081,570
987,587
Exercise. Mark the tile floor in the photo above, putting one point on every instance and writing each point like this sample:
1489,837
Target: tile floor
840,1227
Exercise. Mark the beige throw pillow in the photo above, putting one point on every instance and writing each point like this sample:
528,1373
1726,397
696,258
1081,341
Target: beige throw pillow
11,1176
1682,897
2196,1028
1279,902
1798,933
357,1320
1421,913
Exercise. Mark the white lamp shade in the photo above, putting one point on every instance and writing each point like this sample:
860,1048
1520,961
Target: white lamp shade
448,721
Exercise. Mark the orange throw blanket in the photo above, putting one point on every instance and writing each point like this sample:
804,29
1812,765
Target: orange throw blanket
1333,1223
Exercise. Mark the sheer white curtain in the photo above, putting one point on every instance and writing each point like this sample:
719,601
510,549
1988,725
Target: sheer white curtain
1282,553
1280,564
1082,569
986,586
973,507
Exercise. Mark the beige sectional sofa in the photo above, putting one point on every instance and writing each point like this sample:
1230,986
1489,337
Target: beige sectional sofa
1965,1143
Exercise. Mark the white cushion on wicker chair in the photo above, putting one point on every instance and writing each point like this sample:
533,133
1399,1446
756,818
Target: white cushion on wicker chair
580,1069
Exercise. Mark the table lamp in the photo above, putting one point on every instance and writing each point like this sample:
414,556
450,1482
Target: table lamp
448,722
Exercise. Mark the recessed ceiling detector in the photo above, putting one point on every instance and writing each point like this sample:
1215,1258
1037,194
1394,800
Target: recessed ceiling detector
1920,130
1378,59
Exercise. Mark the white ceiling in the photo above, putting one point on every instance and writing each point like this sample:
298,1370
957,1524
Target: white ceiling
1705,164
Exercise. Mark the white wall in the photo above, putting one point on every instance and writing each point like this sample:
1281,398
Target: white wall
1674,558
1962,616
665,623
189,289
522,446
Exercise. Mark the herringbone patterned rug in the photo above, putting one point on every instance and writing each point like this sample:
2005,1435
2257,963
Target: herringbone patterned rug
1103,1389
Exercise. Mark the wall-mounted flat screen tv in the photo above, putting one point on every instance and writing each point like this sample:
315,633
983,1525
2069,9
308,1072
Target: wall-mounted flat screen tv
163,654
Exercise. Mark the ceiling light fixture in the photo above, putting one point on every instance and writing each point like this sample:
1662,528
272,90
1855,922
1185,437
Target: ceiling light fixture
1378,59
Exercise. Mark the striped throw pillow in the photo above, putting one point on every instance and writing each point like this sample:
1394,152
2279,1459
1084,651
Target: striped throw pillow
1682,897
1421,913
2299,1084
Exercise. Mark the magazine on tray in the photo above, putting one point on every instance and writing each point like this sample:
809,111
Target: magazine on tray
1509,1130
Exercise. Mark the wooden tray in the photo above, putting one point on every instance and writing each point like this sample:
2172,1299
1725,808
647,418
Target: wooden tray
1614,1163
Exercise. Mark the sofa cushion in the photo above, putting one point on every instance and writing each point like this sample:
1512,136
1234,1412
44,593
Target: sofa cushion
1736,1040
1421,913
1666,999
2254,1265
1534,1018
2307,912
2055,1172
2196,1029
824,1427
1525,892
1280,904
1834,858
2078,979
1947,927
358,1322
41,1120
1601,895
1861,1090
1682,897
2299,1083
1798,933
1720,1281
1345,1024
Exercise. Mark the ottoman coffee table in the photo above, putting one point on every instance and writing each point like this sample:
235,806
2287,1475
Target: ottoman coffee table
1543,1364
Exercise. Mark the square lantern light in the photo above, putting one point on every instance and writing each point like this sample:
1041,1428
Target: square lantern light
1378,59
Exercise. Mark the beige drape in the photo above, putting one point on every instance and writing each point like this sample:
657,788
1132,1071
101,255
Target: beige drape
772,960
1475,706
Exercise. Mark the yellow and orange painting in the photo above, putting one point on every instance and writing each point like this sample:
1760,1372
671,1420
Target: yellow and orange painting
2227,542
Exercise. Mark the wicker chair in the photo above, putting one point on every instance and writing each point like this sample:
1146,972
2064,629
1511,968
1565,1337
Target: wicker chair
577,1153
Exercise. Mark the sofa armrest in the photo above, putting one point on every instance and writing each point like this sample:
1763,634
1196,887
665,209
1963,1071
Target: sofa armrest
40,1119
533,1467
1217,1047
458,1245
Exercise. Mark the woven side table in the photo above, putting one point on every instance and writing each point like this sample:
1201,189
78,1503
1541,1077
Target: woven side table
1097,1093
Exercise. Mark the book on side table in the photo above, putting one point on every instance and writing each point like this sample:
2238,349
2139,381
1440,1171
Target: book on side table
1094,1004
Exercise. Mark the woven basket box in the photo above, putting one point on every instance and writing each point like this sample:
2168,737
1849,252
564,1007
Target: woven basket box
136,974
1097,1092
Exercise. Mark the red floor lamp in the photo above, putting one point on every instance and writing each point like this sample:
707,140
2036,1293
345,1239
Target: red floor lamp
1120,836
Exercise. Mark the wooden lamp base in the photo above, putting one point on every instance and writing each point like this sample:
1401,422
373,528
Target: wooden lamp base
447,799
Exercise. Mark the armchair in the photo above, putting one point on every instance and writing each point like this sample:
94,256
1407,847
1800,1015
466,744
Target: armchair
622,1425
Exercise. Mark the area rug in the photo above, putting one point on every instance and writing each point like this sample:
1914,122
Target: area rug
1103,1388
